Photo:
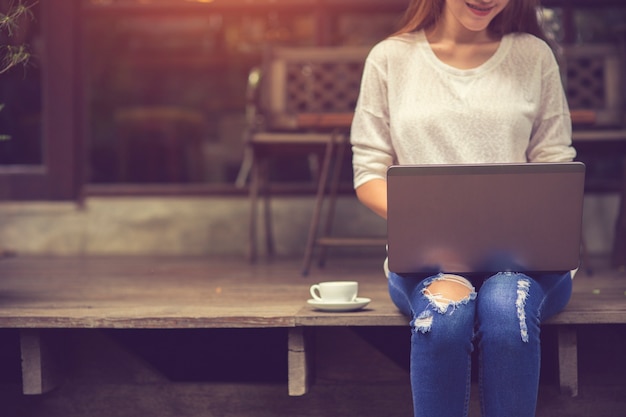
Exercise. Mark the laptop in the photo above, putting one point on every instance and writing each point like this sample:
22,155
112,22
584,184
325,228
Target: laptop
485,218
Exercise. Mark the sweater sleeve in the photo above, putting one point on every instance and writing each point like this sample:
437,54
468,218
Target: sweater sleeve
551,138
372,151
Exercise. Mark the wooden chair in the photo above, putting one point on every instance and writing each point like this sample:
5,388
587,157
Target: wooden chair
301,101
595,84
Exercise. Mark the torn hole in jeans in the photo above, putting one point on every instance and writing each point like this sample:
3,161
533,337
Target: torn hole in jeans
440,302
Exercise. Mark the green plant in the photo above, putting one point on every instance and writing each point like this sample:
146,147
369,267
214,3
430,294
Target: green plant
12,51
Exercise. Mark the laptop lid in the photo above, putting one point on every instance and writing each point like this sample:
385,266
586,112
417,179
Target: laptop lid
523,217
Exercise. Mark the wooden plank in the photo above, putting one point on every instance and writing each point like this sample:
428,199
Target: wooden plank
351,241
40,367
293,138
597,135
583,117
325,120
160,322
136,292
568,360
147,293
377,313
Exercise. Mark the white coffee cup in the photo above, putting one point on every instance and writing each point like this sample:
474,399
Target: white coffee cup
335,291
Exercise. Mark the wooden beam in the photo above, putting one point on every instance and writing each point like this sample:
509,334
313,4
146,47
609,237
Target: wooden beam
568,360
40,369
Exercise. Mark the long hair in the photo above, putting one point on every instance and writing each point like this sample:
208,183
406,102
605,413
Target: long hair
517,16
421,14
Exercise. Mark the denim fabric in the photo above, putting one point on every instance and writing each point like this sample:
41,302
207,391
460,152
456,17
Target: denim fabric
501,318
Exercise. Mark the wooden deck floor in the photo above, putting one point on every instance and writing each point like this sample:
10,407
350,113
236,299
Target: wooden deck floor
138,292
114,295
168,292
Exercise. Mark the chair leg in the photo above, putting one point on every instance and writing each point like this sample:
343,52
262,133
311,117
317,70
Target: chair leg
246,168
619,244
267,209
332,196
584,252
259,187
254,197
319,200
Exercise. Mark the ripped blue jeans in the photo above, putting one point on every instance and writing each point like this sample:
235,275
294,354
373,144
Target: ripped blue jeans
500,316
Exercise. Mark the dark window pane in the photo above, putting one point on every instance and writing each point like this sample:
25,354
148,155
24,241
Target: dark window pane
167,92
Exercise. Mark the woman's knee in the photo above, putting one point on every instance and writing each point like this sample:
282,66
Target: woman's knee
445,293
503,311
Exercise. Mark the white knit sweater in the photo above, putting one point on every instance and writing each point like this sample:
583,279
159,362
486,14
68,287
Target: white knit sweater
415,109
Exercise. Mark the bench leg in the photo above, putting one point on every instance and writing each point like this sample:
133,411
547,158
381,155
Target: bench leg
40,370
299,360
568,360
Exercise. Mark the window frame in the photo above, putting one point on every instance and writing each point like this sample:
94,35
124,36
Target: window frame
59,176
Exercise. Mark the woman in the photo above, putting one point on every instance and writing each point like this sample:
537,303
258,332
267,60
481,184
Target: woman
466,82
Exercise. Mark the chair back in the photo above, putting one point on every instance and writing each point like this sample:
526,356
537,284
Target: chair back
299,80
594,81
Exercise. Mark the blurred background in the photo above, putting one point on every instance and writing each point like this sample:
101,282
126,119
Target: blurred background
121,99
163,82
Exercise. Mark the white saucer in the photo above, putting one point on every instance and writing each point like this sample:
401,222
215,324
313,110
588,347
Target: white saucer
357,304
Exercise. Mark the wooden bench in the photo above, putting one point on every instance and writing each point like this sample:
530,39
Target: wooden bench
46,297
596,300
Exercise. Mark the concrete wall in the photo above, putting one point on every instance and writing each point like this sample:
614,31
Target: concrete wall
205,226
